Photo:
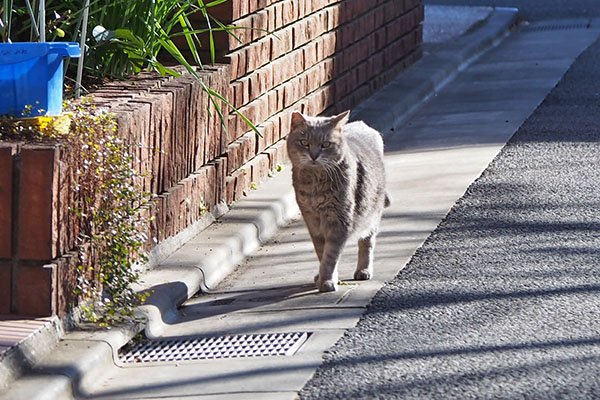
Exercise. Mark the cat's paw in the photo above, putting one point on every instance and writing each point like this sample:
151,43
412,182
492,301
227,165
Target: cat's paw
327,286
362,275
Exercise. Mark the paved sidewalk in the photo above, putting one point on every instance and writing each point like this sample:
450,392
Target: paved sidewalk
431,159
272,291
501,301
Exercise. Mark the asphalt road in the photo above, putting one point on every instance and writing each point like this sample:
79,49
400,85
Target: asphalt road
502,299
535,10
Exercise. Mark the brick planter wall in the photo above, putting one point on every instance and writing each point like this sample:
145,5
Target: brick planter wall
177,145
324,56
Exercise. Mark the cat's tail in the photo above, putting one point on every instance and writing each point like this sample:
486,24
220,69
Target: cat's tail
387,202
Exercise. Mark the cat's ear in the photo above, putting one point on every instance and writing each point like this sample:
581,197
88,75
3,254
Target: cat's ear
341,119
298,120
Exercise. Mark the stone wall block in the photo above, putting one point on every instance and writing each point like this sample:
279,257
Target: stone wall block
259,168
224,71
242,182
210,173
35,285
5,286
163,119
220,175
38,202
68,223
152,153
233,157
133,124
64,281
178,150
229,189
6,199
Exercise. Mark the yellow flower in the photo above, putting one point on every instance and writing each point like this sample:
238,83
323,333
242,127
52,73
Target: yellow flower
49,125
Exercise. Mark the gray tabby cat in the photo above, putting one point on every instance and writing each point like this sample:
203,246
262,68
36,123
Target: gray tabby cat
339,180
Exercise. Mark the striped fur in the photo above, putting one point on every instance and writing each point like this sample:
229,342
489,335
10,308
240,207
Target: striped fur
339,180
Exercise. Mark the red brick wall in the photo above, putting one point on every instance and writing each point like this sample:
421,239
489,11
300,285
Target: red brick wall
324,56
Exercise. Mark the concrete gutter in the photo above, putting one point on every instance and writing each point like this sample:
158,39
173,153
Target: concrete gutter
202,262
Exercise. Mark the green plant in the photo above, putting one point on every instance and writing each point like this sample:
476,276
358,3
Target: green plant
113,214
202,208
5,19
111,209
128,37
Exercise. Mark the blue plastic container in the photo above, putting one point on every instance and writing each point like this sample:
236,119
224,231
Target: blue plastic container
31,75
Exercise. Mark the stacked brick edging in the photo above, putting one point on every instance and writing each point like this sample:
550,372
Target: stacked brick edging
177,147
324,56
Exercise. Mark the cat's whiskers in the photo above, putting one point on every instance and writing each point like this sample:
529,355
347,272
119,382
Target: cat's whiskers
335,171
331,175
329,172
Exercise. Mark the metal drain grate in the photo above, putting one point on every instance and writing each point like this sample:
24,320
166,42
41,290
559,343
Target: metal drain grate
556,27
257,345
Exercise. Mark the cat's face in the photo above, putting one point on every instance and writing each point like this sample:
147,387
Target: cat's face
316,141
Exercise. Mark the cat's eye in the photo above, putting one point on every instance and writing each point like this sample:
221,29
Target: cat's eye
304,142
326,145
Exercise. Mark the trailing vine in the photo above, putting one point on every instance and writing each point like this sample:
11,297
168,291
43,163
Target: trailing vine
113,211
110,208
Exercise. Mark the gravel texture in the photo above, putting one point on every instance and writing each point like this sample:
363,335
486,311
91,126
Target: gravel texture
502,301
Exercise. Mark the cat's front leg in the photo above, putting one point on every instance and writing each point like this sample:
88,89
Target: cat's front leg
364,267
327,280
318,240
